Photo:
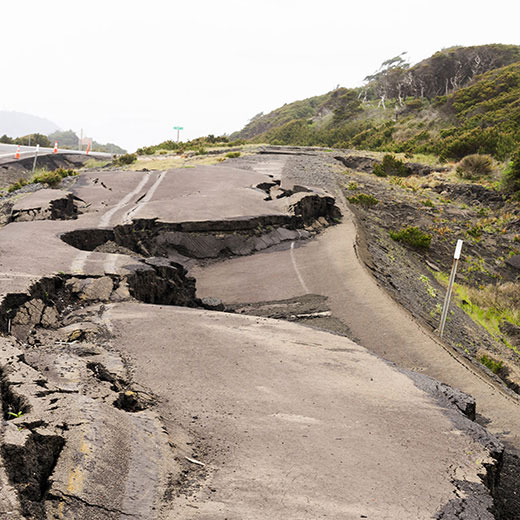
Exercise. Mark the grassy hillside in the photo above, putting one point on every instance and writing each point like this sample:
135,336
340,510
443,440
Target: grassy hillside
400,109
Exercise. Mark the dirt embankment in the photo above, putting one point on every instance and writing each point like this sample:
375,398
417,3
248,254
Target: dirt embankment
22,169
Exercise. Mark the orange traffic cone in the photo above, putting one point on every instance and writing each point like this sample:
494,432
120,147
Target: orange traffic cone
17,154
88,148
56,147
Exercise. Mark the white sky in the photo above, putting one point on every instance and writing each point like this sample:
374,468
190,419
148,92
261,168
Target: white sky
128,70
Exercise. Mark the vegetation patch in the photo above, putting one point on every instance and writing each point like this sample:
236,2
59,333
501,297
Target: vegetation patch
391,166
490,306
495,366
412,236
196,145
95,163
475,166
511,177
233,155
429,288
125,159
50,178
364,200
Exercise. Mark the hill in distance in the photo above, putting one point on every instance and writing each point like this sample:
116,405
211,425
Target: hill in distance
461,100
18,124
16,127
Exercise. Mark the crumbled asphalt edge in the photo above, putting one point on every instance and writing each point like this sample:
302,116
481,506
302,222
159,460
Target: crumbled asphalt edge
63,208
29,468
474,500
156,280
215,239
151,280
29,465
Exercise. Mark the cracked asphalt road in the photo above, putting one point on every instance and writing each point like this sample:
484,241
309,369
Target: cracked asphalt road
282,421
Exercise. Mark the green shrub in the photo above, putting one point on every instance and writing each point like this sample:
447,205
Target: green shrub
233,155
511,177
146,150
475,166
391,166
413,237
125,159
494,366
475,231
414,104
49,178
20,183
63,172
367,201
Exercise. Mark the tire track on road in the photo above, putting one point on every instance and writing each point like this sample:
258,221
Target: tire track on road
78,264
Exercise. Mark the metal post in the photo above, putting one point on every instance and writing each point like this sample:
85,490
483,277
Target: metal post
35,157
447,299
178,128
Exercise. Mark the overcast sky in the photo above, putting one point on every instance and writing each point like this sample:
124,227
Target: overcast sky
127,71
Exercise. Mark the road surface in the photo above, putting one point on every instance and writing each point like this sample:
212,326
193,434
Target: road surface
165,412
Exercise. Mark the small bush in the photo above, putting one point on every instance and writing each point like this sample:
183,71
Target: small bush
413,237
391,166
20,183
495,366
125,159
146,150
49,178
475,166
233,155
364,200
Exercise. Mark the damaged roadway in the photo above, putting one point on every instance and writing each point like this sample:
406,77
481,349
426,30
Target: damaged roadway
124,394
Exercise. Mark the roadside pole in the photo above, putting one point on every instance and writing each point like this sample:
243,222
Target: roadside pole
35,157
447,299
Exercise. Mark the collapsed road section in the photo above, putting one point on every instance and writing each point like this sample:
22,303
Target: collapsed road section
124,394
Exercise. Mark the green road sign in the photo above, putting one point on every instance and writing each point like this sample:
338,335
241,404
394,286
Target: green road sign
178,128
